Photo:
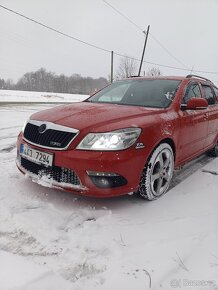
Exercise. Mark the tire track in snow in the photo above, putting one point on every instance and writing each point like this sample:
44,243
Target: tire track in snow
189,169
21,243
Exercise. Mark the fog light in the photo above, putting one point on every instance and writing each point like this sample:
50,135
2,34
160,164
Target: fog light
106,179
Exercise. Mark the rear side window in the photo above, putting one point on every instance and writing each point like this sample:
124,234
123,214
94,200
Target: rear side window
209,95
193,91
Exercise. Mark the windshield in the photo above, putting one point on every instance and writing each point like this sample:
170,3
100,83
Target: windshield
157,93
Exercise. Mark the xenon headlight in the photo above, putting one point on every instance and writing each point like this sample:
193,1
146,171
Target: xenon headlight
109,141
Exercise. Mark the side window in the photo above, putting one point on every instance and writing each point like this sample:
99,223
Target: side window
209,95
193,91
216,93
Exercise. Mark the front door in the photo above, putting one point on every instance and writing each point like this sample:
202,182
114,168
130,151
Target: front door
193,126
210,96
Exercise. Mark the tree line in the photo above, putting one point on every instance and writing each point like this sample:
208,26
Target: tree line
44,81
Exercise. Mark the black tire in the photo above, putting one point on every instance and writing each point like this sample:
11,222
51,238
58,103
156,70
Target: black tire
157,173
214,151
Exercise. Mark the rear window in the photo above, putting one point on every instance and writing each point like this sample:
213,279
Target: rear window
147,93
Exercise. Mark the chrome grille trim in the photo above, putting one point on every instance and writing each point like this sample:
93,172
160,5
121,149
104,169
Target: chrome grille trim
52,126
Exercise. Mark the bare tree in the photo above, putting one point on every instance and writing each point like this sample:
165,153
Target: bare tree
127,68
153,72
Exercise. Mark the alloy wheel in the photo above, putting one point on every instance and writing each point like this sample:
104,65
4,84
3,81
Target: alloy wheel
161,172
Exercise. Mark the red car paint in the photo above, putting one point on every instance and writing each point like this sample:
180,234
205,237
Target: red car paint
189,132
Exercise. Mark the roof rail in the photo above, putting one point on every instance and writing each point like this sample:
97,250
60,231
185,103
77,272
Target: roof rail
190,76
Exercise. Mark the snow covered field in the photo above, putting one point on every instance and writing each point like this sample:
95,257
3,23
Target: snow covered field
40,97
56,240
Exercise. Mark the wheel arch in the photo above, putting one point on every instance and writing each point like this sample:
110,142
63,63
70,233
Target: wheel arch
172,145
170,142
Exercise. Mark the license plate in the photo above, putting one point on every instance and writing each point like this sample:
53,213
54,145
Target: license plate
36,156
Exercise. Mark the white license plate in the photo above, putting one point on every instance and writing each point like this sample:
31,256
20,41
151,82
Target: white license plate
36,156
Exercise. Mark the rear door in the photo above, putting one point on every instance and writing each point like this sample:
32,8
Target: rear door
209,93
193,125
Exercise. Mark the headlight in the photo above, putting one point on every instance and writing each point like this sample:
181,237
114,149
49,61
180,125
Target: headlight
109,141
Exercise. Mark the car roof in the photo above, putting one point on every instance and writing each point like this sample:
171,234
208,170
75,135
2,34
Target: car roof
178,78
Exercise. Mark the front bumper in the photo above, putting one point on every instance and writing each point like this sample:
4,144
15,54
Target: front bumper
127,163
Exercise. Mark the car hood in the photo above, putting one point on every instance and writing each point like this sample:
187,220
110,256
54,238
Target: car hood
97,116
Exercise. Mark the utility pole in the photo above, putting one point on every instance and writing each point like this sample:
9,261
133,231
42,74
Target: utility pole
112,66
143,52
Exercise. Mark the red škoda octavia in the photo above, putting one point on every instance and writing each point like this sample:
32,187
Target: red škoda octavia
126,138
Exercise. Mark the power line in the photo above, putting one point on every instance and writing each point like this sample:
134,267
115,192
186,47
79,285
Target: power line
123,15
167,50
55,30
153,37
164,65
206,72
98,47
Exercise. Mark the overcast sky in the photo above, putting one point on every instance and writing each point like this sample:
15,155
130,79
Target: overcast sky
187,28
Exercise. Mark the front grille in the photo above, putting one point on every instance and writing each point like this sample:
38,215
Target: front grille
50,138
59,174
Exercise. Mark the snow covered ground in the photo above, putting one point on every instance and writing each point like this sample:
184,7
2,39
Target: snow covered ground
57,240
40,97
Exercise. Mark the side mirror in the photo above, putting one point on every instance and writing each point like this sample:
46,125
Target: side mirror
196,104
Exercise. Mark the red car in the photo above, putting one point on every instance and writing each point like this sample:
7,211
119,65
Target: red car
126,138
